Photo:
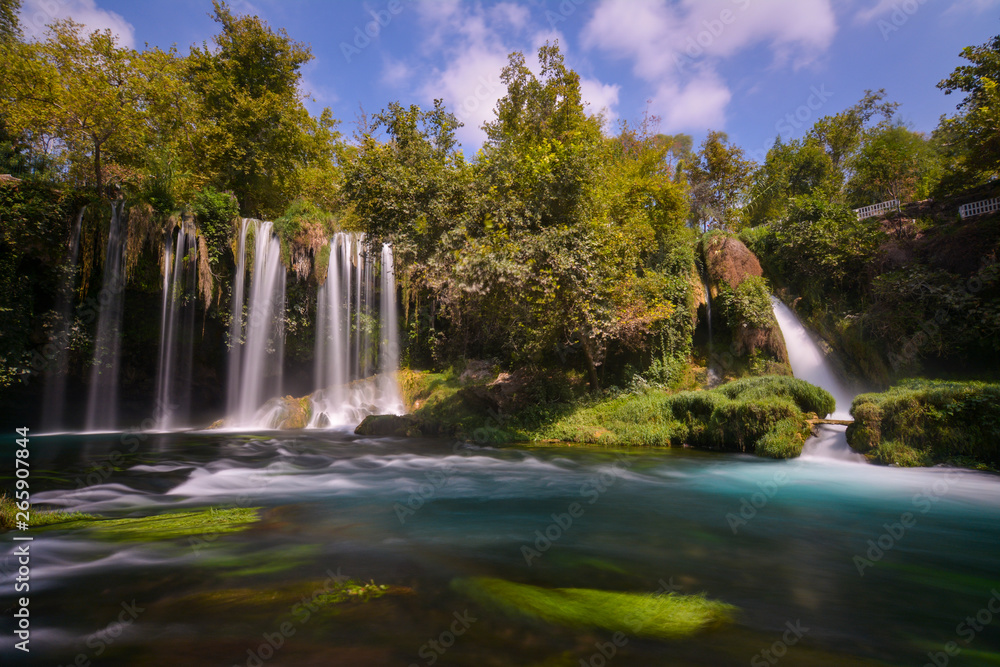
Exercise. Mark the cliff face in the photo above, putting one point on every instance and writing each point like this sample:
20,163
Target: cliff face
742,298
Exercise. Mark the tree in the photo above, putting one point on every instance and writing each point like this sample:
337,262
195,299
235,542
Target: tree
843,134
253,135
890,166
82,96
800,167
10,26
720,182
979,119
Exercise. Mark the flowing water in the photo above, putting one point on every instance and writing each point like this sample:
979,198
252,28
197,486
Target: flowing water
810,364
821,547
54,395
257,343
173,375
346,321
102,401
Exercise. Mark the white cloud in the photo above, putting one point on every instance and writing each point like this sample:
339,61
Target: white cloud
510,14
395,73
602,98
971,6
35,15
876,10
677,46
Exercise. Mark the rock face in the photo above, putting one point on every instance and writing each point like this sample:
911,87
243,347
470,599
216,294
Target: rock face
736,283
390,425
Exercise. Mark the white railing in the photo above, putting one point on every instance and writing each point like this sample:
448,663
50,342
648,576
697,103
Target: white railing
979,207
875,209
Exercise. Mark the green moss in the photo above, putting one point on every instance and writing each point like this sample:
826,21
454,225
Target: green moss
764,415
168,526
36,518
668,616
784,441
924,422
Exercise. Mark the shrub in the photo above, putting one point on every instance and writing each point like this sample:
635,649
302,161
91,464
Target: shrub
215,212
921,422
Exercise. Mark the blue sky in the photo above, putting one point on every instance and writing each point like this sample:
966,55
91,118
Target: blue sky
752,68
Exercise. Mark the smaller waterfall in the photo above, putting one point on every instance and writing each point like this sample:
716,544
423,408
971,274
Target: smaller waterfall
713,378
54,397
808,363
173,377
347,349
257,345
102,403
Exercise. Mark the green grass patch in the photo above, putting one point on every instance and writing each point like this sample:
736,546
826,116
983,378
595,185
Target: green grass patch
926,422
36,518
762,415
169,526
669,616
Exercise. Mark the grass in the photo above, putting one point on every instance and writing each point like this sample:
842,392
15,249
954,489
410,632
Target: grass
762,415
36,518
172,525
926,422
669,616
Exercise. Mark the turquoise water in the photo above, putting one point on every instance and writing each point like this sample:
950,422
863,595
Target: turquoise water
786,542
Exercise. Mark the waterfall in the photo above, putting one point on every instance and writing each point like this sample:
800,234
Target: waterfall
391,400
54,397
236,323
256,344
712,378
810,364
345,344
173,376
102,403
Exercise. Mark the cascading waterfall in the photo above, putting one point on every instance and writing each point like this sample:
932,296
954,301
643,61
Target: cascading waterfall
236,323
173,377
391,399
345,324
102,403
54,397
809,363
257,344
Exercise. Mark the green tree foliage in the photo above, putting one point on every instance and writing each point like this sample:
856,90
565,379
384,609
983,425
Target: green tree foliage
720,182
821,248
843,134
798,168
10,26
83,99
255,134
895,163
975,128
556,238
216,212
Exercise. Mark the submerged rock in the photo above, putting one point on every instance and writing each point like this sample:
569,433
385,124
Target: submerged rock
390,425
658,616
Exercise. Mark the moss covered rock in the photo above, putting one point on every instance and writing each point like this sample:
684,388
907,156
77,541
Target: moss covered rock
924,422
389,425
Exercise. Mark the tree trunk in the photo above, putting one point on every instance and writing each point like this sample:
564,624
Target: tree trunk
595,383
98,173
